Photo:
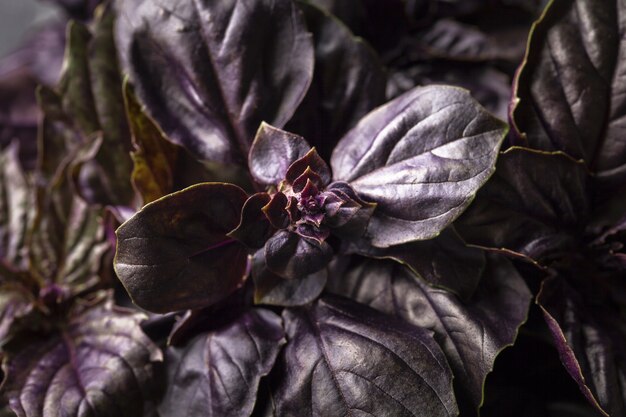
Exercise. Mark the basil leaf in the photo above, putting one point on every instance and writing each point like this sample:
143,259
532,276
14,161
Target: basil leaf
322,368
99,363
175,254
471,333
217,373
210,72
421,158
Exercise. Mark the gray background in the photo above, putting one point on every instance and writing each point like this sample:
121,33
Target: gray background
18,17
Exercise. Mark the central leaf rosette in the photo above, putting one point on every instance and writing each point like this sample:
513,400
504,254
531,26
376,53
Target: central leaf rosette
301,209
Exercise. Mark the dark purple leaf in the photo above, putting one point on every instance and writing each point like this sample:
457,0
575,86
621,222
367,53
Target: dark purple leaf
218,373
570,89
310,160
346,359
471,333
421,158
175,254
346,213
276,211
99,363
348,82
254,228
272,289
443,262
210,72
272,152
534,206
489,86
590,341
292,256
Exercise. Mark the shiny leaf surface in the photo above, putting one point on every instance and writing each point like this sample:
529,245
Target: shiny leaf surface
471,333
434,145
534,206
217,373
443,262
271,289
590,341
210,72
322,370
272,152
292,256
570,90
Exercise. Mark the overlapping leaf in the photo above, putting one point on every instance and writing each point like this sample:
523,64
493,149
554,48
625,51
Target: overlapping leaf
16,200
348,82
210,72
89,104
570,90
217,373
98,363
421,158
590,339
174,254
471,333
444,262
535,205
322,370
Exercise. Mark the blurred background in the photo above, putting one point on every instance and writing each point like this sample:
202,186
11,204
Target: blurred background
17,19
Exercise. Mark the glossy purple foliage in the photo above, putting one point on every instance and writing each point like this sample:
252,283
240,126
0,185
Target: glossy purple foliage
319,209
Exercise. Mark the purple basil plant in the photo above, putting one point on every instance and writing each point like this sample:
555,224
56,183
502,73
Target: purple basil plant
268,208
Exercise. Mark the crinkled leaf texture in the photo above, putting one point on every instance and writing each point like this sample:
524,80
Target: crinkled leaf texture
421,158
591,341
175,254
570,89
209,72
471,333
217,373
98,363
535,205
444,262
347,359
